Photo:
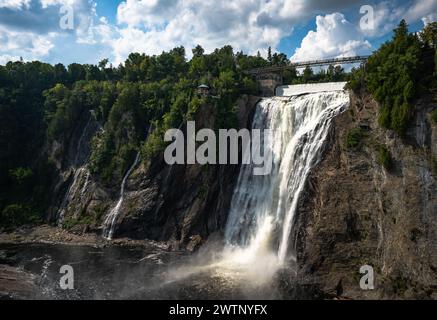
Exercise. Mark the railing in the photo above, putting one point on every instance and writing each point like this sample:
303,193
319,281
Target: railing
314,63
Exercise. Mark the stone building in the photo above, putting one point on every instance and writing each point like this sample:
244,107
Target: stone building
268,82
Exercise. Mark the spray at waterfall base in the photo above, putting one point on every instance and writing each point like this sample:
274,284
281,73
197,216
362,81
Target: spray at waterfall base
263,207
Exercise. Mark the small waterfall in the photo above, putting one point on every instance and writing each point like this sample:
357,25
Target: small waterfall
111,219
79,144
85,185
71,193
78,173
299,127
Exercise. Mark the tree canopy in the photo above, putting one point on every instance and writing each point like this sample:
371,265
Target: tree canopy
397,73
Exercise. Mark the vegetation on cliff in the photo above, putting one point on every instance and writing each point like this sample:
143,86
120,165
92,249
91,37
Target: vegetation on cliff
398,72
42,105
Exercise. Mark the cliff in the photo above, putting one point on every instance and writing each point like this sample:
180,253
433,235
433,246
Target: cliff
361,208
370,201
180,204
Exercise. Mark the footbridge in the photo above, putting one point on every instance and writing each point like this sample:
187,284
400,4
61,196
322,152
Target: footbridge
271,77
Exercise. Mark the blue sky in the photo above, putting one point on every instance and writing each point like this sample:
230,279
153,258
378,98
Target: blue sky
303,29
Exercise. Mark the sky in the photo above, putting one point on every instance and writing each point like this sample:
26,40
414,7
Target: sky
87,31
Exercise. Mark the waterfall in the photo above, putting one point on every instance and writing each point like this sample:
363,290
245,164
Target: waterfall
71,192
263,207
79,144
111,219
85,185
78,172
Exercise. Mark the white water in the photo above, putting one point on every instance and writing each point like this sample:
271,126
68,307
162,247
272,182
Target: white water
71,192
78,172
111,219
79,144
85,185
298,89
263,207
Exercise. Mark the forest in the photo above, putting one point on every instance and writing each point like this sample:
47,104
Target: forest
399,72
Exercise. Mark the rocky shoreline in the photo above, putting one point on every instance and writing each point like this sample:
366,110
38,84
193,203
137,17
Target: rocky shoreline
46,234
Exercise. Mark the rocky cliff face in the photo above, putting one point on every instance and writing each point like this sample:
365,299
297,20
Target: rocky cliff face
182,204
356,212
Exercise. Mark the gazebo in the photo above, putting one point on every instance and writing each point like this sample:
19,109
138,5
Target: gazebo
203,90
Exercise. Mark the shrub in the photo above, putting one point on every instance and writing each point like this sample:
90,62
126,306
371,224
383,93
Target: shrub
400,285
434,164
356,78
21,175
354,138
415,234
154,143
83,220
384,157
434,116
16,215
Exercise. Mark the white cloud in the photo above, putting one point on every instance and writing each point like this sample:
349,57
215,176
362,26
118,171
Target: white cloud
47,3
152,26
334,37
5,58
14,4
420,9
24,44
32,27
429,18
387,14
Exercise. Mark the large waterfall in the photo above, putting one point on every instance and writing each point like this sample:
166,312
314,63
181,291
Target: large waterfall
263,207
111,219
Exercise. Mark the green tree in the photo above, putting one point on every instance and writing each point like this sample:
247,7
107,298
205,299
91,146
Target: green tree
198,51
395,74
307,74
429,35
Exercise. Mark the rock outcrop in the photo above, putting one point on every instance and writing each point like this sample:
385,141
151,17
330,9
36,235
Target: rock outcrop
357,212
182,204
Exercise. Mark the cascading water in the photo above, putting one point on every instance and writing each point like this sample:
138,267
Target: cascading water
71,192
111,219
80,142
77,178
263,207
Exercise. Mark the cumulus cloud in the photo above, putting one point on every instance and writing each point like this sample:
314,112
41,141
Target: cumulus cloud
334,37
14,4
337,37
429,18
387,14
29,28
29,46
250,25
152,26
420,9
